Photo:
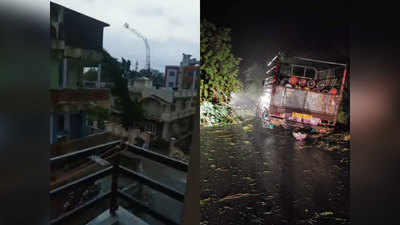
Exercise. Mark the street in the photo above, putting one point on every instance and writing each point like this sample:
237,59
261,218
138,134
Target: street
250,175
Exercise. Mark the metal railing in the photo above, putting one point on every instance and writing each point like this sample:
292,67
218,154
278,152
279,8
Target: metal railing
115,171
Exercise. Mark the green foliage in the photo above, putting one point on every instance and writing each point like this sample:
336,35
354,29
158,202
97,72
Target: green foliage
131,111
213,114
344,109
219,68
342,117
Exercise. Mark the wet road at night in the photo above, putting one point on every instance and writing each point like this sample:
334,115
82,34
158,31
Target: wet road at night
250,175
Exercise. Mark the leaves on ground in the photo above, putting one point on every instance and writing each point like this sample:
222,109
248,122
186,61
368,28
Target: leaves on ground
248,128
203,201
236,196
326,213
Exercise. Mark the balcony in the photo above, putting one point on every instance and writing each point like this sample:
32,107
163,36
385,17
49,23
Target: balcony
61,175
185,93
82,143
167,94
113,204
170,116
80,96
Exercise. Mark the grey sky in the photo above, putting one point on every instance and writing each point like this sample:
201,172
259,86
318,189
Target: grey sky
172,27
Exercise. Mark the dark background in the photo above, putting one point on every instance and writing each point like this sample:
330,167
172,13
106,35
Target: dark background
302,28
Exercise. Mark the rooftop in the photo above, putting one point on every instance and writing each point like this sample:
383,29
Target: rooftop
54,5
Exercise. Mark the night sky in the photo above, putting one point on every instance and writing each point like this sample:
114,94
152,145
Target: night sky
260,30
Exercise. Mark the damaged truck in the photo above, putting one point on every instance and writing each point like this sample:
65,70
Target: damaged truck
302,93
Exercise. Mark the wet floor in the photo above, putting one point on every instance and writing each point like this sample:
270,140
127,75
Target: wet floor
250,175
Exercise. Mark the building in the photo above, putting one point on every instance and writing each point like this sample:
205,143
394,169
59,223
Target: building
184,76
76,42
80,162
171,76
190,77
168,112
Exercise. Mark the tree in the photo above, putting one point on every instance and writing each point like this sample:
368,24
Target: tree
131,111
125,66
219,67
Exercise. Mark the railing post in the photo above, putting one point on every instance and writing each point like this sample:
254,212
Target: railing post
114,186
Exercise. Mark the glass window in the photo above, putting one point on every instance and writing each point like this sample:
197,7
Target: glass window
171,73
310,73
325,74
339,72
171,84
298,71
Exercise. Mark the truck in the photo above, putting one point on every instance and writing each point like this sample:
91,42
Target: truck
302,93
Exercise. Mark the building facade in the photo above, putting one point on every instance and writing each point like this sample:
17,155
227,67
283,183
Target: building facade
171,76
76,42
168,112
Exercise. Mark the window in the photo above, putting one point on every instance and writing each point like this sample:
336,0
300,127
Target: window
171,73
183,105
171,84
339,72
310,73
60,123
325,74
53,32
284,70
298,71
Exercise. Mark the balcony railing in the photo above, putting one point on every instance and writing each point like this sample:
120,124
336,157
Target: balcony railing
66,95
95,84
185,93
116,170
170,116
168,94
69,146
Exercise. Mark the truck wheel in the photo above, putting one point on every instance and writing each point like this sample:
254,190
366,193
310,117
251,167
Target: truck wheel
264,120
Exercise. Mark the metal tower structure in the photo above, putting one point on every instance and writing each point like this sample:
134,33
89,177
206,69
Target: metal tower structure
137,33
136,65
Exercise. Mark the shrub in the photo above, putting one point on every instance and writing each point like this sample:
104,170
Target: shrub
213,114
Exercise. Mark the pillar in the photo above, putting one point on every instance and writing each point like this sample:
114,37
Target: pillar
194,80
165,131
65,73
67,124
52,130
98,76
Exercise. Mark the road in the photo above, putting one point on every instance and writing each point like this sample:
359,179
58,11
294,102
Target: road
250,175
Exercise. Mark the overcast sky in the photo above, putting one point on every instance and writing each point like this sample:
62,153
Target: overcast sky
172,27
